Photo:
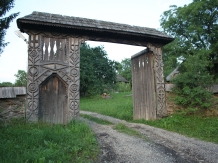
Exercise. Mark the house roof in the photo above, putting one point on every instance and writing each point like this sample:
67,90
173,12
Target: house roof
95,30
12,92
119,78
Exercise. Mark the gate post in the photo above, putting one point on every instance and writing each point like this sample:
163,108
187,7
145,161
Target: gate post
159,80
34,50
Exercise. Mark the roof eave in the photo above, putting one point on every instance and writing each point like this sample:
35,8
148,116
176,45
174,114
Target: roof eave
25,24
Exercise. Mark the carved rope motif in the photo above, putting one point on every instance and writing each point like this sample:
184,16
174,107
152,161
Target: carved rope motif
159,79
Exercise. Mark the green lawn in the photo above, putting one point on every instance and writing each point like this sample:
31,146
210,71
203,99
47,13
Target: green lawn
23,142
120,106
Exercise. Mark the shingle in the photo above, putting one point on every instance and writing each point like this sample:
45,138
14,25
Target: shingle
91,23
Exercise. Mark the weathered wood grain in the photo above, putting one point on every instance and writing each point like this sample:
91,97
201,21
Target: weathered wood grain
53,103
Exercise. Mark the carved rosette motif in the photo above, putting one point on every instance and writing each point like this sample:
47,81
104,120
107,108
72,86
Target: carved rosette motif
159,79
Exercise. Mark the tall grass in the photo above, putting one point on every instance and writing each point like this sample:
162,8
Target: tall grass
39,142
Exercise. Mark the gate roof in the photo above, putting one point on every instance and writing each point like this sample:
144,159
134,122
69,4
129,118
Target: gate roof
94,30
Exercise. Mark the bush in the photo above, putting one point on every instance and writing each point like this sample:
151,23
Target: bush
192,83
123,87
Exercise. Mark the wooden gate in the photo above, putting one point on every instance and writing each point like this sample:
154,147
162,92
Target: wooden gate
54,48
143,86
53,100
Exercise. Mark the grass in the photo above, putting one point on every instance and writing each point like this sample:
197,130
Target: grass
42,143
124,129
119,127
97,120
204,128
120,106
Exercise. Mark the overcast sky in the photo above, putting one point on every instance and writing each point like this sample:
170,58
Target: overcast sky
145,13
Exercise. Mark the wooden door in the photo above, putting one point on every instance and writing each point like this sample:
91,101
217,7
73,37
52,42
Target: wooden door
53,100
144,96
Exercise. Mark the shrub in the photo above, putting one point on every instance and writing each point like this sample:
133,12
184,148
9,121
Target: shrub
192,83
123,87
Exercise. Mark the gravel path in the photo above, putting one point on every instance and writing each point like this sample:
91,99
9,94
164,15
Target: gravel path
162,146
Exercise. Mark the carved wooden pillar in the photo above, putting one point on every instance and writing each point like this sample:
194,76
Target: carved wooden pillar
74,70
53,77
159,80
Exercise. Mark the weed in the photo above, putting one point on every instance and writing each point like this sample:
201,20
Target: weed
97,120
41,142
122,128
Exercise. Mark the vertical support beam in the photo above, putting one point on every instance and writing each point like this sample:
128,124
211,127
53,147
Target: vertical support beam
159,81
34,50
74,71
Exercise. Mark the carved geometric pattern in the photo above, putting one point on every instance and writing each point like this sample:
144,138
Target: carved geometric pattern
50,53
74,64
159,78
33,71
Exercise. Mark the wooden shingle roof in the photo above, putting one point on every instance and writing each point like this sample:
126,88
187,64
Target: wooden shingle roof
119,78
95,30
12,92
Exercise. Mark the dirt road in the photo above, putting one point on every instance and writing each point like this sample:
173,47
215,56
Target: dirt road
160,147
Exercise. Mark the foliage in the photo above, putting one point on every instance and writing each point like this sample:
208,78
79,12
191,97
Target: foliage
21,78
40,142
96,70
195,28
124,69
118,106
6,84
5,6
123,87
191,85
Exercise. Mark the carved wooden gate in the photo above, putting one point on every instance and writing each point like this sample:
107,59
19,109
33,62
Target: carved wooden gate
54,63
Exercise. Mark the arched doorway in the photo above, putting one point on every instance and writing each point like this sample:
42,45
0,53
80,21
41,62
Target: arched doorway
53,100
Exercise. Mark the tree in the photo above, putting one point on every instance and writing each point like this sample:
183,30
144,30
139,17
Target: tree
96,70
124,69
5,6
21,78
6,84
195,28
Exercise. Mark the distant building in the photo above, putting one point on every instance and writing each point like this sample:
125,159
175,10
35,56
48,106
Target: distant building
12,92
119,78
